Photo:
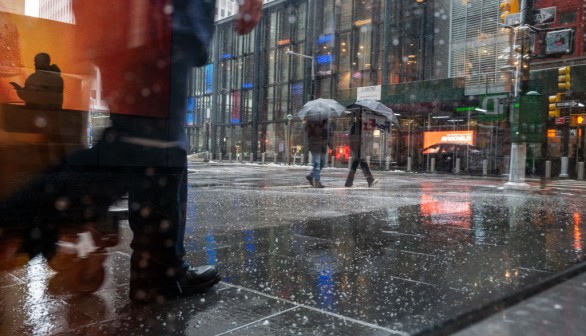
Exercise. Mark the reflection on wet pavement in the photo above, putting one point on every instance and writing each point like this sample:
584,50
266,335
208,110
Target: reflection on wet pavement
391,261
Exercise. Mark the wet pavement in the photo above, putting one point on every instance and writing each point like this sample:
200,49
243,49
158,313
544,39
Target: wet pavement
416,254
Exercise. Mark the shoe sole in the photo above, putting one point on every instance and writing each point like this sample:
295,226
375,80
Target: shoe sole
203,287
373,183
172,293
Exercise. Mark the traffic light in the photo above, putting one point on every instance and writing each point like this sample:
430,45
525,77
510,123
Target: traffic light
508,7
578,120
554,112
564,78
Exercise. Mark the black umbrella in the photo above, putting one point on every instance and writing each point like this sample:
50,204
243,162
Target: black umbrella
379,108
321,109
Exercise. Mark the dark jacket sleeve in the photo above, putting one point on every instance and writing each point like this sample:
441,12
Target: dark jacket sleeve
193,22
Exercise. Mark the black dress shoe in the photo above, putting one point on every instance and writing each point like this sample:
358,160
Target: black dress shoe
309,179
198,280
192,281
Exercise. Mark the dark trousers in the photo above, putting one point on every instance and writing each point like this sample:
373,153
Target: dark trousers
143,157
363,166
80,190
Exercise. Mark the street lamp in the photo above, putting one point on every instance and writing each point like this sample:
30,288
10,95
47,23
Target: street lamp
289,142
289,52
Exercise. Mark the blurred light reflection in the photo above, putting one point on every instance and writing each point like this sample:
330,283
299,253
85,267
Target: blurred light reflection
577,232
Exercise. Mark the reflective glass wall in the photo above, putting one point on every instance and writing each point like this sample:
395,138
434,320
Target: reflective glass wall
441,65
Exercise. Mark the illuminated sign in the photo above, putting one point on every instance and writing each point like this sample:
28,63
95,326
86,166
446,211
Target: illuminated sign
368,92
462,137
209,78
324,59
364,22
559,42
325,39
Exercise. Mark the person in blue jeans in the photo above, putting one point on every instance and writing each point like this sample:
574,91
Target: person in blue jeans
318,140
144,50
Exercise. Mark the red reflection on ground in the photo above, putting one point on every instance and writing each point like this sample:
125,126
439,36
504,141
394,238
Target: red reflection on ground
437,210
577,232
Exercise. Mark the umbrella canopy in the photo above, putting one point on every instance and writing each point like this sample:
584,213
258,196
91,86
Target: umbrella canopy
379,108
321,109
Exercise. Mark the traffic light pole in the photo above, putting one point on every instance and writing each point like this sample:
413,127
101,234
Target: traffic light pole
565,143
519,148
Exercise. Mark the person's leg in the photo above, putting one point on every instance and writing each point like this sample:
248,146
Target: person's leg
323,161
365,169
316,166
155,218
319,164
351,173
157,205
75,193
367,173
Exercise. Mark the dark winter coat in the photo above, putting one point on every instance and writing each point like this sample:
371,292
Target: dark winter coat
43,90
318,136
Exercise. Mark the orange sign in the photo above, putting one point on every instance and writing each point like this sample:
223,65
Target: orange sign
463,137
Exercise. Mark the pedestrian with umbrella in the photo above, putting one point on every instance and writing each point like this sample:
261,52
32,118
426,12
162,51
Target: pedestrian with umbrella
355,138
317,114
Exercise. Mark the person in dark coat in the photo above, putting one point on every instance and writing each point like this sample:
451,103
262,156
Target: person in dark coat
355,137
144,50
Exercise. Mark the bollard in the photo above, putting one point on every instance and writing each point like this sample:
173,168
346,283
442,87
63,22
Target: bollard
230,157
220,157
547,169
564,168
580,170
310,158
301,161
294,159
207,156
457,168
388,163
350,159
263,158
368,160
251,158
432,165
506,163
409,161
333,161
275,158
484,167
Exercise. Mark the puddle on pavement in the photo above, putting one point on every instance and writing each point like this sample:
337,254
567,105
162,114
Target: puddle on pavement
411,267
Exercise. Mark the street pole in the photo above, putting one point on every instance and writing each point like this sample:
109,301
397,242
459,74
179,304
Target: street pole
311,91
518,148
289,118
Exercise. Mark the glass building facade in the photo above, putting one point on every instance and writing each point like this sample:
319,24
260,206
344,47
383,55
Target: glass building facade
441,66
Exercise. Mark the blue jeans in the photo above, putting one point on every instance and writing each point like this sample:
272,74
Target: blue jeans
318,161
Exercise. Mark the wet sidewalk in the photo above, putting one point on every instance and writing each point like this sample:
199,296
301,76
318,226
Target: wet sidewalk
405,258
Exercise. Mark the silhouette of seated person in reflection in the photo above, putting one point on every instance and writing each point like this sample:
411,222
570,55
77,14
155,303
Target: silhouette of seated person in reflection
43,90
